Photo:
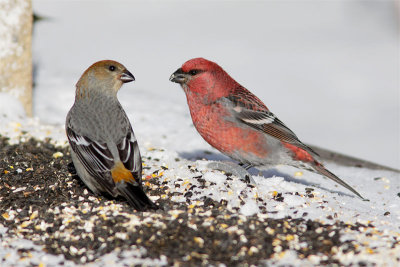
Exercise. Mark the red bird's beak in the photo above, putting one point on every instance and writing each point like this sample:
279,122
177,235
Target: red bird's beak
179,77
127,77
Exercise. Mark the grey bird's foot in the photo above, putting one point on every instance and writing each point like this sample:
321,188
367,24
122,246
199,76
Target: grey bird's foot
231,167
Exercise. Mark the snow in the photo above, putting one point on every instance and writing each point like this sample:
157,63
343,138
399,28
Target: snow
11,107
214,177
327,69
18,127
249,208
10,13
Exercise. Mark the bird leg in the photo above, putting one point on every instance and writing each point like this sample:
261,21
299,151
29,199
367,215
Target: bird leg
245,166
231,167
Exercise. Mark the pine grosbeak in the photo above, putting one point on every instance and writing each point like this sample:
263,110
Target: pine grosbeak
236,122
104,149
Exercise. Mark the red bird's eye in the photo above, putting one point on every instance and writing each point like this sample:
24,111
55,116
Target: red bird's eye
111,68
193,72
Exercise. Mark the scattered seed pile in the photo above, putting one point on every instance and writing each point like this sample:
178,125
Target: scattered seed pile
41,201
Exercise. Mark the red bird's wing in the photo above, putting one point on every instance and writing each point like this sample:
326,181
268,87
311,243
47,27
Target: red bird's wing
249,109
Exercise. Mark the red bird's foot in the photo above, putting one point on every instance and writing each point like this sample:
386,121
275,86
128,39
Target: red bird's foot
231,167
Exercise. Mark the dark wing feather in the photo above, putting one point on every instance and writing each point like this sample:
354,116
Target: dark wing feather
129,154
98,162
249,110
95,157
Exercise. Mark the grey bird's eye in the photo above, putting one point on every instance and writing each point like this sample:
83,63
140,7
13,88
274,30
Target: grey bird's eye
111,68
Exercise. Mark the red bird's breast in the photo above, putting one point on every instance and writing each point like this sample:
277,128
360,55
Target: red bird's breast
213,123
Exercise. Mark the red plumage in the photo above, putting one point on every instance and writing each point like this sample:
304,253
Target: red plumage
237,123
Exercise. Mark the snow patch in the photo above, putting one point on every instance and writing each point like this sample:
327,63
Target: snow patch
217,178
10,108
249,208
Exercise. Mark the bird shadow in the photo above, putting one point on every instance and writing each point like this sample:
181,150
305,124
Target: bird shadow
203,154
208,155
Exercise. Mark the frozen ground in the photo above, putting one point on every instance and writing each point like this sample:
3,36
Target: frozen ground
279,193
329,70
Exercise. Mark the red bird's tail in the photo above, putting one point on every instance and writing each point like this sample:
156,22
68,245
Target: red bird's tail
320,169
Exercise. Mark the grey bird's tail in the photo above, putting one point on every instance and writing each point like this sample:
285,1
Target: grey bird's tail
136,197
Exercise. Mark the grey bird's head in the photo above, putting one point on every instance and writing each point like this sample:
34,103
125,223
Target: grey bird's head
104,77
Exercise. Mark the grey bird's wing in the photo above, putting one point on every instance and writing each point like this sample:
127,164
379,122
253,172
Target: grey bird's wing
129,154
96,158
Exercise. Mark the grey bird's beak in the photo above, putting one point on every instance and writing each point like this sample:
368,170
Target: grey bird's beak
179,77
127,77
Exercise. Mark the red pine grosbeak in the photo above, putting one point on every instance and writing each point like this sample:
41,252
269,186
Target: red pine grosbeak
236,122
104,149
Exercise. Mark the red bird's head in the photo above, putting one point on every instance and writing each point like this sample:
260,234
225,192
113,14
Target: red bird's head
204,78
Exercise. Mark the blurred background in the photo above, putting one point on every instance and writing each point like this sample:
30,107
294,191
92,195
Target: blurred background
328,69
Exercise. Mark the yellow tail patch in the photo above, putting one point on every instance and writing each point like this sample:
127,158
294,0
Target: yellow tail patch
120,173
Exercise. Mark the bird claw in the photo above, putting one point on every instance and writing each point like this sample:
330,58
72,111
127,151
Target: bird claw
231,167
